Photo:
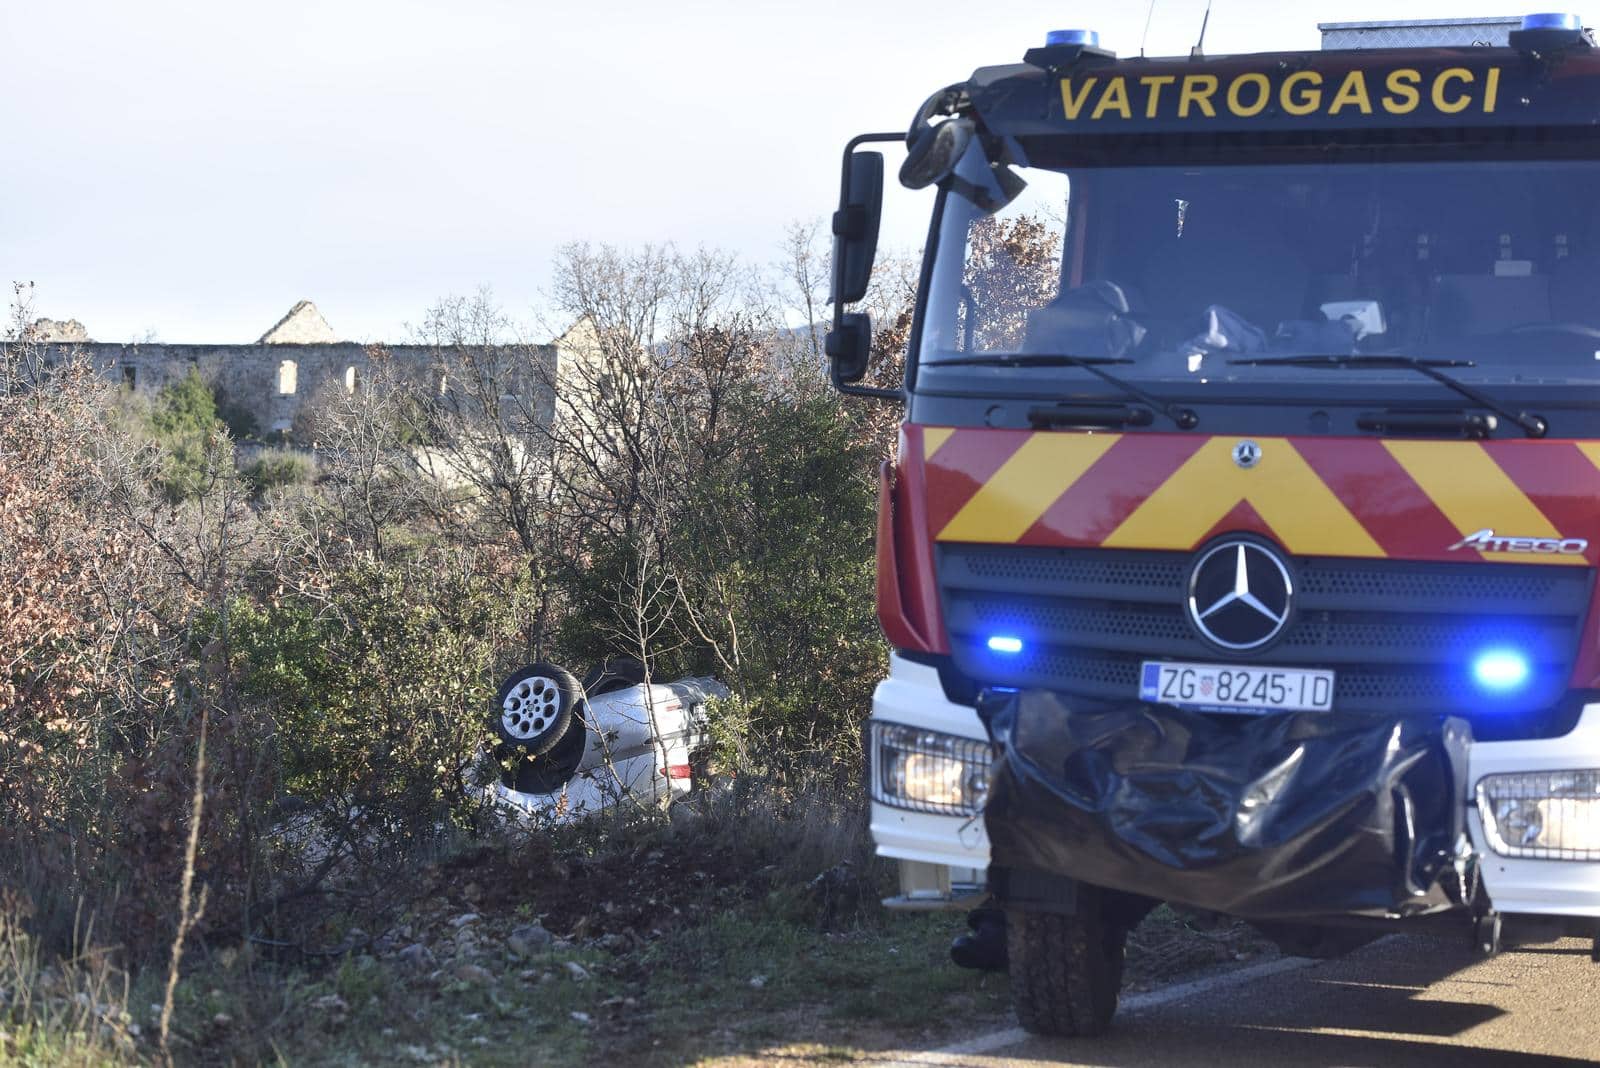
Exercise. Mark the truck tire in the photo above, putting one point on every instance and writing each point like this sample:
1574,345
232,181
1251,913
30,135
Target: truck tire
535,706
1066,971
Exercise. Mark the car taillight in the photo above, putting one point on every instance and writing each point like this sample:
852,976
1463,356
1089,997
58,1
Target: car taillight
677,771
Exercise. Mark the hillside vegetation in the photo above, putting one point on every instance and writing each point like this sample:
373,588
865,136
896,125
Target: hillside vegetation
244,705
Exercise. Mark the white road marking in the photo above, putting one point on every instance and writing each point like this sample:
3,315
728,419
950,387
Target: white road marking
1128,1006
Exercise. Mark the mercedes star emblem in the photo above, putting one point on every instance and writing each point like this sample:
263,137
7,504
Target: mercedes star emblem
1247,454
1239,594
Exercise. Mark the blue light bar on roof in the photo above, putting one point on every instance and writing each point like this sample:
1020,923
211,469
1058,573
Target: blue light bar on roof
1552,20
1087,38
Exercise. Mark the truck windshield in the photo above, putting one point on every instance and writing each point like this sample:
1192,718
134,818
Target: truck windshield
1179,271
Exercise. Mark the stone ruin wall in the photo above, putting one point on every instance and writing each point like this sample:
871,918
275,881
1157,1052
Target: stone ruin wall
250,376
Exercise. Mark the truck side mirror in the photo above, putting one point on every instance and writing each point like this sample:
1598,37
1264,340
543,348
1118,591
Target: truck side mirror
855,226
849,347
855,245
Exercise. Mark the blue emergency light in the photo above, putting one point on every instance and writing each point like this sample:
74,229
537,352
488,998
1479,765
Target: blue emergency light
1501,670
1086,38
1550,33
1552,20
1005,643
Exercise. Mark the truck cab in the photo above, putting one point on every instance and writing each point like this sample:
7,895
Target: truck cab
1240,548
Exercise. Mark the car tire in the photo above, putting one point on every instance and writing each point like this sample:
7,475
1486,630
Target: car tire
612,674
551,770
535,706
1066,971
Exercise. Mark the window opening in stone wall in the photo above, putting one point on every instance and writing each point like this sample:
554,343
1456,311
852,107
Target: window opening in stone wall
130,377
288,374
352,379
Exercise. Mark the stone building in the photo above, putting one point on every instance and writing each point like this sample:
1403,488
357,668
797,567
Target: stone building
301,355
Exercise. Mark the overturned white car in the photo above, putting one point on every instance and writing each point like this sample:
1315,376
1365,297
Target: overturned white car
568,749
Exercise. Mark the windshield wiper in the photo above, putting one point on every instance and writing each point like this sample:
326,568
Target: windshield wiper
1532,425
1183,418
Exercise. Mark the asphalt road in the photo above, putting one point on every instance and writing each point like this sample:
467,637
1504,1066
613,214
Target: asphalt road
1402,1001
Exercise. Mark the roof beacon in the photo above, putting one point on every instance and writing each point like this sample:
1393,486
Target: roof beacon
1092,39
1064,49
1550,32
1552,21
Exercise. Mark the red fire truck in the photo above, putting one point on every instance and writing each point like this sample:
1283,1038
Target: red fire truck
1240,548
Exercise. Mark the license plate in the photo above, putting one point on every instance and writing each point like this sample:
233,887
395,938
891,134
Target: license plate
1234,688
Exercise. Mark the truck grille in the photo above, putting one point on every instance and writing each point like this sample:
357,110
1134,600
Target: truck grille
1400,634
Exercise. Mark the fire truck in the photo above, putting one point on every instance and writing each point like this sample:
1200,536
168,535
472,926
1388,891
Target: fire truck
1239,551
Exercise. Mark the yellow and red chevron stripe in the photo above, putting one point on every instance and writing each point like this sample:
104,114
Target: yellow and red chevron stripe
1316,496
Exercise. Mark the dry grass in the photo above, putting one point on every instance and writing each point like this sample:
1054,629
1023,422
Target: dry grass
72,1010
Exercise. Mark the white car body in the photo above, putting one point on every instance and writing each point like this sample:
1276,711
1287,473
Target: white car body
1536,887
944,859
639,745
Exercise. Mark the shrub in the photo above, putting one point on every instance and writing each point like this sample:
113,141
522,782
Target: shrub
184,422
379,688
769,562
240,421
100,691
184,407
276,468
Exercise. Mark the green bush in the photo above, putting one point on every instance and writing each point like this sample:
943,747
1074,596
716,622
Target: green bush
184,407
275,469
184,422
379,688
772,546
240,421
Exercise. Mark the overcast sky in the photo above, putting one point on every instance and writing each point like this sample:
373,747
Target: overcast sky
192,169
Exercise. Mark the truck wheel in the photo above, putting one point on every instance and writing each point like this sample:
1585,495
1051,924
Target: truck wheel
534,707
1066,971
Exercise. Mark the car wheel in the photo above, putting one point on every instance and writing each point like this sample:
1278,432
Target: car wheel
1066,971
551,770
612,674
535,706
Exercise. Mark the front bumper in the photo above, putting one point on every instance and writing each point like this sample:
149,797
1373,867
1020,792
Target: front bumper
912,694
1537,887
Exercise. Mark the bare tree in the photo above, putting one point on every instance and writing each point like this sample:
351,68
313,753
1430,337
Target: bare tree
479,424
805,270
22,350
363,433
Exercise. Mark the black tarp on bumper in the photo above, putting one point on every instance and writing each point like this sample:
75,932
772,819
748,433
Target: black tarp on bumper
1264,817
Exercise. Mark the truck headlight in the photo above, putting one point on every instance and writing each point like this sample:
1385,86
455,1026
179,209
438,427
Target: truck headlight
929,771
1547,815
